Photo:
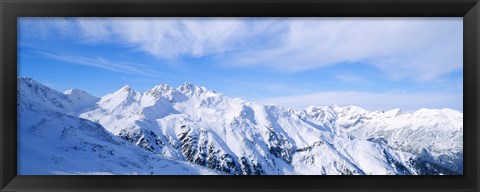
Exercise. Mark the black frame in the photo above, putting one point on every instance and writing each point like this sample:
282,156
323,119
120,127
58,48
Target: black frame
10,10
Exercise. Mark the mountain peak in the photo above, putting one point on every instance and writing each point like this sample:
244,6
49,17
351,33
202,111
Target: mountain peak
186,86
190,89
25,79
74,91
313,108
124,92
159,90
79,95
29,81
120,100
393,112
351,109
126,88
25,82
162,87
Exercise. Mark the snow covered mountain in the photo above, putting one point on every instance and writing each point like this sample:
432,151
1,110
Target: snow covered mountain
193,130
433,135
53,142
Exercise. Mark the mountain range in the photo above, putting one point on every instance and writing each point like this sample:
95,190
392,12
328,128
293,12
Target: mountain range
191,130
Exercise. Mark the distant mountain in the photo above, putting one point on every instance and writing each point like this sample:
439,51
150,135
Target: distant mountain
194,130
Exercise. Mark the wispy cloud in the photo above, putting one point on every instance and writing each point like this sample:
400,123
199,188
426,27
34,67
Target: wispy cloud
419,48
165,38
372,100
100,62
422,49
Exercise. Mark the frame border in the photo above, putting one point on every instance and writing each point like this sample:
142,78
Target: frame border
10,10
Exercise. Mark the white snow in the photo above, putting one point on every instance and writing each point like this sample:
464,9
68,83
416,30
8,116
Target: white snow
168,130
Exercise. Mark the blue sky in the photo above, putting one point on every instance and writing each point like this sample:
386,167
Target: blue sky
375,63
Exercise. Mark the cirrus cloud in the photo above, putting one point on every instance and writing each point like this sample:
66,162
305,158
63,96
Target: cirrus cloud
422,49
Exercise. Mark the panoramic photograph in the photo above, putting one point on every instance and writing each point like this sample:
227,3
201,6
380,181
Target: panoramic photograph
240,96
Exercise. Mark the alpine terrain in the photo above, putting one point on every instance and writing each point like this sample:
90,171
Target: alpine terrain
191,130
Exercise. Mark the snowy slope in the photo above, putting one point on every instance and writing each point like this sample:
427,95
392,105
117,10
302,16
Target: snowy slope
71,102
52,142
435,135
192,124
